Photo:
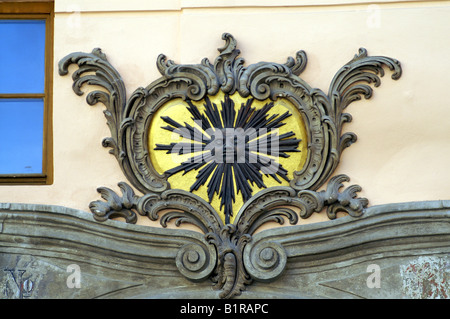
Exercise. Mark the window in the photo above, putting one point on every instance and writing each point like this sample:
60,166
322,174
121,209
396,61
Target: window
26,42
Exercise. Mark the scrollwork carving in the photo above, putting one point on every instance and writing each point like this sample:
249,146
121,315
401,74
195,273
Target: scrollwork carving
195,261
106,77
115,206
234,269
227,255
323,113
266,260
347,86
227,241
117,113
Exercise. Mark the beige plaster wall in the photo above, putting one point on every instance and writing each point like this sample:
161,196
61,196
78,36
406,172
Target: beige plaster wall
403,130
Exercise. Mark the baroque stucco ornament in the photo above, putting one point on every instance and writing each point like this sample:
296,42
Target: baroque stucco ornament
225,256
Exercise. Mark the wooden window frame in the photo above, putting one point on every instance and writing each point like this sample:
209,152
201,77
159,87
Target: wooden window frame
36,10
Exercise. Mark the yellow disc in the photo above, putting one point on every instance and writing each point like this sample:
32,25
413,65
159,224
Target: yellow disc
176,109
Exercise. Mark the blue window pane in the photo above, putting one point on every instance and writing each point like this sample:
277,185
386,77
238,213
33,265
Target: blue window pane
21,136
22,56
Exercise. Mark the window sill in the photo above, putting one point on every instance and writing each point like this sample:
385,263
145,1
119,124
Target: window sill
25,179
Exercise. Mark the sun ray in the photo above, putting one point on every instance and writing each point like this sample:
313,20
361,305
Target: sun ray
231,150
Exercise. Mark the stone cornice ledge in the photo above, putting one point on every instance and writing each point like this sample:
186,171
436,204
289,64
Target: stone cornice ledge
408,222
406,244
119,260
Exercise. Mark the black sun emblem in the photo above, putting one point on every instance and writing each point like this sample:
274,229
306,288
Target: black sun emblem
231,150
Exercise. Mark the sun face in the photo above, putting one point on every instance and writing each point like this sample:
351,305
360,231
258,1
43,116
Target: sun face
230,150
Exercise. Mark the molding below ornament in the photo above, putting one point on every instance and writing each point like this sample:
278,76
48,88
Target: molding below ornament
323,260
